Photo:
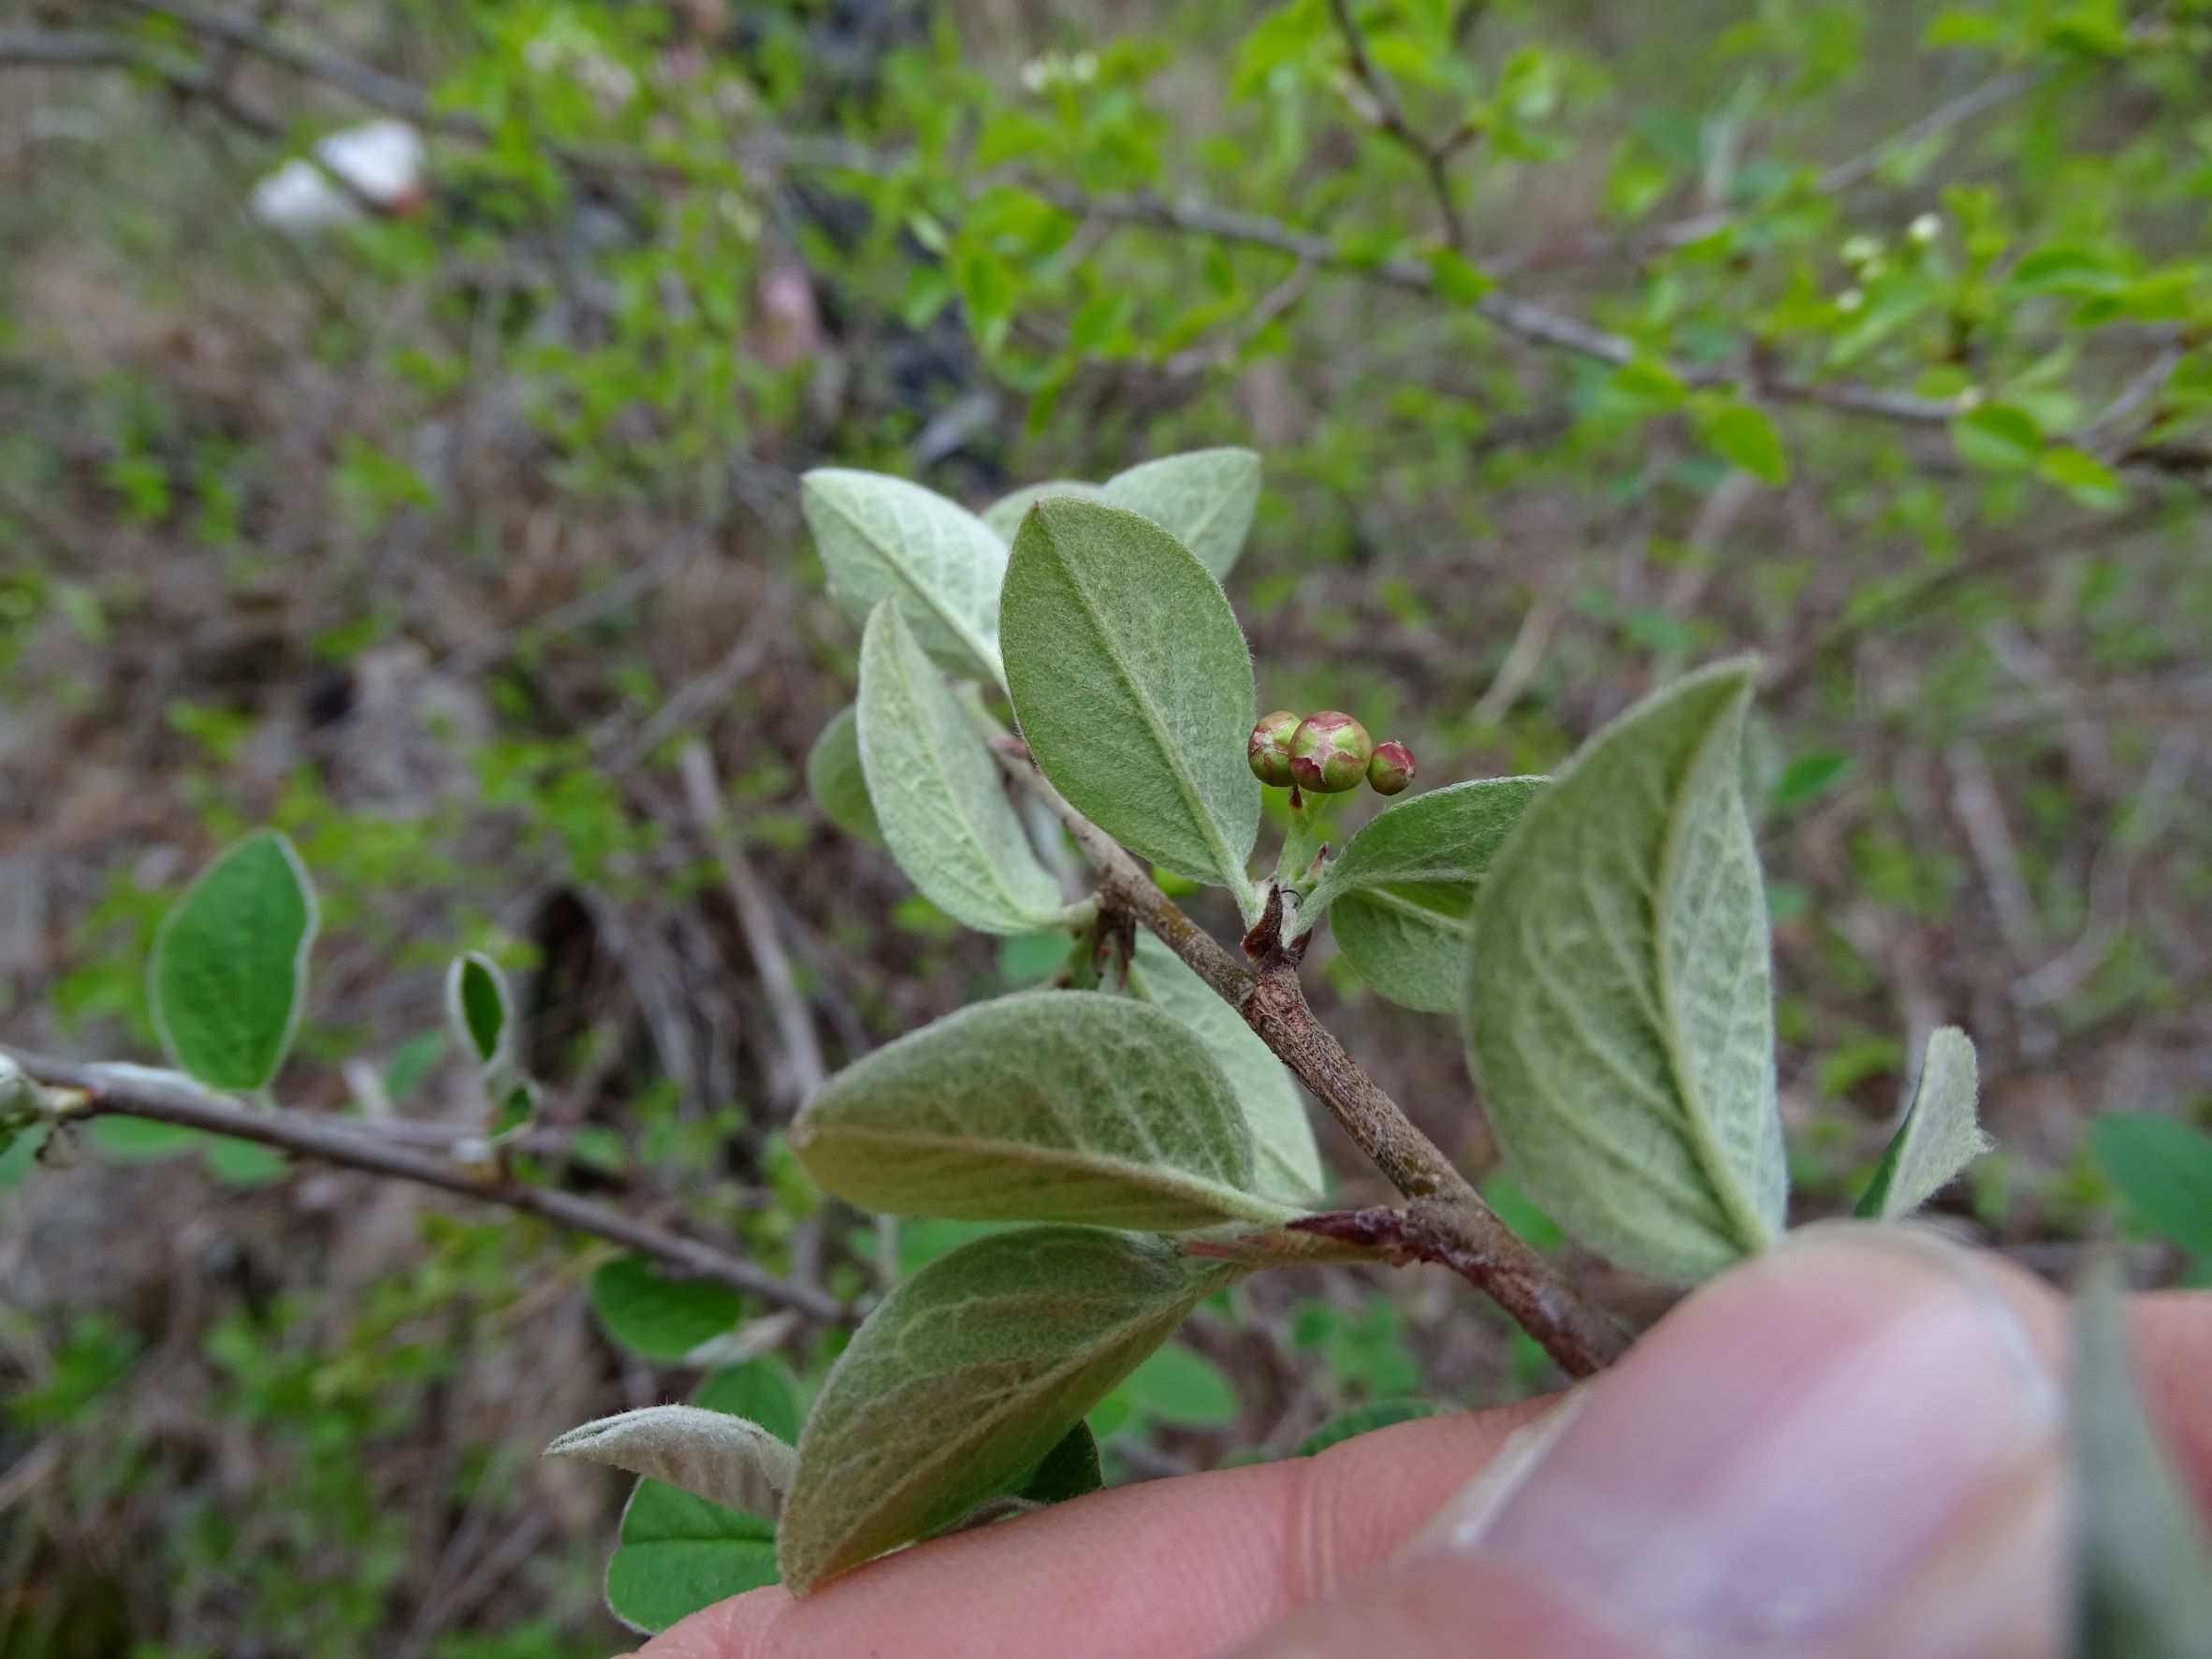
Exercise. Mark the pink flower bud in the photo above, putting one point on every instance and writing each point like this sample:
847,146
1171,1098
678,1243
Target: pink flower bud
1389,770
1268,752
1329,754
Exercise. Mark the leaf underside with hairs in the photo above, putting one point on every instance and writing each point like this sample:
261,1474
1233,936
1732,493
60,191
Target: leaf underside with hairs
1616,1004
938,798
885,538
710,1454
969,1374
835,780
2143,1560
1286,1161
228,977
1134,686
1043,1106
1398,896
1940,1135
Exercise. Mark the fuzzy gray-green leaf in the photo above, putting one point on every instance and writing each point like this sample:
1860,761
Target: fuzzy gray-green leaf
228,977
1043,1106
1399,894
1205,499
725,1460
1940,1135
1618,1009
1134,686
967,1376
1005,514
835,780
938,795
885,538
1286,1164
2142,1559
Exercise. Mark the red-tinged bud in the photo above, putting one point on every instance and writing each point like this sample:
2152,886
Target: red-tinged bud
1389,769
1329,754
1268,752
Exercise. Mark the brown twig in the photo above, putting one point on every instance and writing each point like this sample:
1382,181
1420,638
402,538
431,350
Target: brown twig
1388,114
1463,1233
98,1092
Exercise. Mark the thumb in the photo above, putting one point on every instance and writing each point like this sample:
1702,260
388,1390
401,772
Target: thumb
1850,1446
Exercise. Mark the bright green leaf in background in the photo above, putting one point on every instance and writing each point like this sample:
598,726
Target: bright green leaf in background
2163,1170
1940,1135
835,780
1286,1161
1743,435
2142,1559
678,1553
1998,437
228,979
938,796
1134,686
656,1315
970,1372
1618,1010
884,538
1399,894
1042,1106
1181,1386
478,1004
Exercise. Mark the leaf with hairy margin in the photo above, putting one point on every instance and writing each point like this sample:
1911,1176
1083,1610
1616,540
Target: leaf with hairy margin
969,1374
1134,686
227,982
1005,514
1042,1106
1616,1004
1940,1135
938,795
1286,1163
1204,498
2143,1558
886,538
1398,896
710,1454
835,780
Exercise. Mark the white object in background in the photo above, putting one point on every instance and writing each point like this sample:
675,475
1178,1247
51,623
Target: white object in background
379,163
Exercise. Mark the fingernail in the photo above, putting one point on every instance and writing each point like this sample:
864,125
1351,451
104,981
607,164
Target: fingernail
1775,1459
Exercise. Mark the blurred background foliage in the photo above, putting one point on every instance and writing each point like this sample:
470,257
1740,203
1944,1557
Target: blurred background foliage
1582,340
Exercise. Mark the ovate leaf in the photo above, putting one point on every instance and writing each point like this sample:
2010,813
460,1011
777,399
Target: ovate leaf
679,1553
1205,499
1398,896
228,977
2142,1555
1134,686
1364,1420
970,1372
1043,1106
2163,1170
1005,514
884,538
835,780
710,1454
1618,1010
938,795
1179,1385
476,1005
1939,1135
656,1315
1286,1162
1070,1470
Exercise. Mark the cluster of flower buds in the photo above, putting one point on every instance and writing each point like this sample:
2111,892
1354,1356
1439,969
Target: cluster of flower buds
1325,754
